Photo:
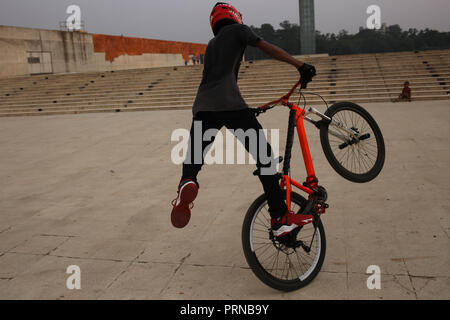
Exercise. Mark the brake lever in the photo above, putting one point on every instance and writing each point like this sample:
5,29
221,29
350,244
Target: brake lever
303,84
258,111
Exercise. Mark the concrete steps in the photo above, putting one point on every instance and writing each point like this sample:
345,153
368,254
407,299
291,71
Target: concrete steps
250,96
179,107
358,78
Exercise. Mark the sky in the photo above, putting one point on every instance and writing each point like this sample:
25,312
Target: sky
187,20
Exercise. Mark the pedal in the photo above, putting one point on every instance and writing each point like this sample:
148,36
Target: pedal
321,207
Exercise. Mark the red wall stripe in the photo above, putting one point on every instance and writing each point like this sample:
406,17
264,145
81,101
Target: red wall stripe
116,46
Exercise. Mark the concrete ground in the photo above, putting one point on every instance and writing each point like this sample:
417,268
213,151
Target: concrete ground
94,190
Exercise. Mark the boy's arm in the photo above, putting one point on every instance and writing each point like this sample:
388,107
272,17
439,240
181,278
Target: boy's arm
278,53
307,72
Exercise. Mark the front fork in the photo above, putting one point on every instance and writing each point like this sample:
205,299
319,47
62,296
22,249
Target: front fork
332,122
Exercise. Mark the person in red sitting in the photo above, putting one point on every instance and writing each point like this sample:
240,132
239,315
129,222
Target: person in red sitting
406,93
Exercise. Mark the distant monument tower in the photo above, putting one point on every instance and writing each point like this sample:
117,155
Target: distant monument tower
307,27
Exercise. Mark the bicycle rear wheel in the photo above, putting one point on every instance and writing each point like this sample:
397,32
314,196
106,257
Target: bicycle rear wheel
357,157
277,262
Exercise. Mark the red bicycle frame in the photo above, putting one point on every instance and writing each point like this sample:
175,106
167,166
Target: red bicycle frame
311,182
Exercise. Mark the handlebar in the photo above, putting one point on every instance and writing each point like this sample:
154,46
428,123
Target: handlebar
284,100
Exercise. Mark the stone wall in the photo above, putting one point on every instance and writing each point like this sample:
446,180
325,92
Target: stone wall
84,52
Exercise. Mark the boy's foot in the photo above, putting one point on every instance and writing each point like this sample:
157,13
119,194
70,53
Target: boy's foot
182,205
289,222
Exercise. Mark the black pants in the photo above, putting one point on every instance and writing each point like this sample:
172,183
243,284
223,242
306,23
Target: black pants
233,120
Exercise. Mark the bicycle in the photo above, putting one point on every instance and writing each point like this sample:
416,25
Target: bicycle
354,146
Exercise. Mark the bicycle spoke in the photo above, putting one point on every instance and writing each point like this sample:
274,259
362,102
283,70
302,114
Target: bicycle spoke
279,260
266,248
361,156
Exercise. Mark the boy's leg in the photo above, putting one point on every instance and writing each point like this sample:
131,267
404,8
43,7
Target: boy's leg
193,163
245,120
188,187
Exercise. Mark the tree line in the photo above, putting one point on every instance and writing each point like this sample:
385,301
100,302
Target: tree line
388,39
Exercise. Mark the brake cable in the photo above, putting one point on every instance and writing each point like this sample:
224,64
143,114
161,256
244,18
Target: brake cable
302,94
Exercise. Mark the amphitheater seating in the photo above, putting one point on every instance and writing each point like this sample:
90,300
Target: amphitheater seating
359,78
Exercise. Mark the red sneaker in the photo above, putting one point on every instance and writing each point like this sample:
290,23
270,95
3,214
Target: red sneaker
290,221
182,205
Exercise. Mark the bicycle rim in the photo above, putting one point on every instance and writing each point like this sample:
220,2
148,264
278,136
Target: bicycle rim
281,267
358,160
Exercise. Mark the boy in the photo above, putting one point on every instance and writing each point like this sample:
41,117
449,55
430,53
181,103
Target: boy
219,103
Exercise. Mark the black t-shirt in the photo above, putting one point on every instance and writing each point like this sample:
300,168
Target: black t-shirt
218,90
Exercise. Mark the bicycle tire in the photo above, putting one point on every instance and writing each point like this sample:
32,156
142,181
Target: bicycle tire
255,264
364,149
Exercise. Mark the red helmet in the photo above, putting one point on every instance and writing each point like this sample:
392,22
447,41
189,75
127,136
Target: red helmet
222,11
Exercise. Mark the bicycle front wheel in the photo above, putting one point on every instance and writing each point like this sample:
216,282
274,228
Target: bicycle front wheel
287,263
357,156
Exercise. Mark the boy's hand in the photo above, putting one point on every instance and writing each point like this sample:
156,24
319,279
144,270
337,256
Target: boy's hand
307,72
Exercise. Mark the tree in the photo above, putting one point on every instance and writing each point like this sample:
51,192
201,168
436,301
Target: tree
388,39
